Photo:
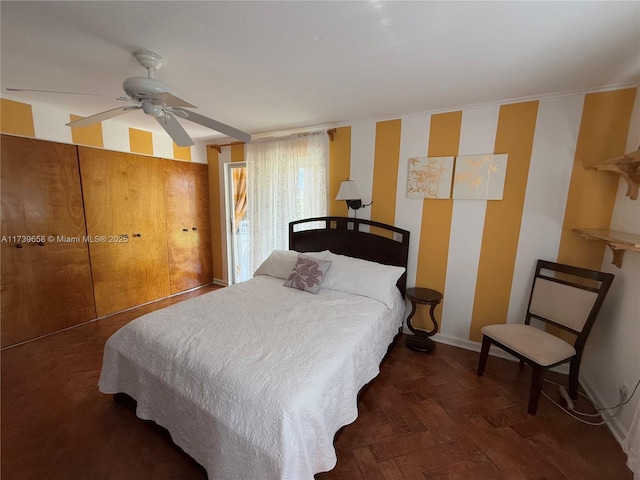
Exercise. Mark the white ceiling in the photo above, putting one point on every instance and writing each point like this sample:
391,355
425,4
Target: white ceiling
276,66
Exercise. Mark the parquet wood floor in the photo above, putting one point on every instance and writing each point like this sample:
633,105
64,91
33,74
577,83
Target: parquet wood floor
424,417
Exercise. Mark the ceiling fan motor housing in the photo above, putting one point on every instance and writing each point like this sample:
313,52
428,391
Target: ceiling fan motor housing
140,88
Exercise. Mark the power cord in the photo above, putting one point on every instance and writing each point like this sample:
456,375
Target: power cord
570,411
570,408
622,403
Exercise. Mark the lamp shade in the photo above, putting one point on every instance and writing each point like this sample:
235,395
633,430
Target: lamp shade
348,191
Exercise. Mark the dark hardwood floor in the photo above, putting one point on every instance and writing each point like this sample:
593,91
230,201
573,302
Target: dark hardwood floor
424,417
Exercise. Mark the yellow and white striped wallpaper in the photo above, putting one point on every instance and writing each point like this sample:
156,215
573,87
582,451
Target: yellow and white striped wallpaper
46,122
480,254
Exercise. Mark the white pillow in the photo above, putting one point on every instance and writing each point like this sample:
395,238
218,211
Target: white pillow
280,263
361,277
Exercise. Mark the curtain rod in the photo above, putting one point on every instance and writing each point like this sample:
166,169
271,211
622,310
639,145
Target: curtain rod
219,147
331,132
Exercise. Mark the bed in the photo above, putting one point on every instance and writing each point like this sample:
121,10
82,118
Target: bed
254,380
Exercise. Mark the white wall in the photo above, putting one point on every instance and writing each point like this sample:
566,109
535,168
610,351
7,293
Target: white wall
612,354
363,137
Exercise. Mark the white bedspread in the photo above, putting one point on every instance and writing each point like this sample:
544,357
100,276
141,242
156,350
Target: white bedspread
253,380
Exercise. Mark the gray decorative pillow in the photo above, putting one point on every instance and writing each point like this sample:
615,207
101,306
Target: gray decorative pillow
307,273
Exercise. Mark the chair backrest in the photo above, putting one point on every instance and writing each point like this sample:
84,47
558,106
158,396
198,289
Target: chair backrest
568,297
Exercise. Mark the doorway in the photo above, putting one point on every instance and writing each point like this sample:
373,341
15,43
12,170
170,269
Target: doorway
238,231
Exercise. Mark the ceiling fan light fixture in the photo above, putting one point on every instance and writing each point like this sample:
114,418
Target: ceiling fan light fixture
152,109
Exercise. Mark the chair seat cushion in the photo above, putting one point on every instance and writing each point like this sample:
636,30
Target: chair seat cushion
541,347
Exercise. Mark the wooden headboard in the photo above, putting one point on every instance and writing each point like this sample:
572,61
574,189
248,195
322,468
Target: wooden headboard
359,238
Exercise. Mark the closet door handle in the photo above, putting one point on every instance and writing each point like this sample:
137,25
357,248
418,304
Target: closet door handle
137,235
185,229
194,228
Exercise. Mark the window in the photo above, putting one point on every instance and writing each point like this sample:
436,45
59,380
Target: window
287,181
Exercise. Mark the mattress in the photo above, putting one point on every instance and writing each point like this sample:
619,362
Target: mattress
254,380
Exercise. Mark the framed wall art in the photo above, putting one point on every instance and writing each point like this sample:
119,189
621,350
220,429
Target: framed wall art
430,177
480,177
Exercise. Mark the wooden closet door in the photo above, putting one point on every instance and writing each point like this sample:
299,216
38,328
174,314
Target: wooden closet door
202,219
46,284
188,225
124,204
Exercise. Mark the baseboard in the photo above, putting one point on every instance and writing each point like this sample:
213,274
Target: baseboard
616,428
220,282
466,344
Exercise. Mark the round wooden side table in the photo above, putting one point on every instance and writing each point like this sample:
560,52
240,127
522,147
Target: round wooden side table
420,341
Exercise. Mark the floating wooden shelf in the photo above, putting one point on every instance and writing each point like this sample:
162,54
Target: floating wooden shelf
627,166
619,242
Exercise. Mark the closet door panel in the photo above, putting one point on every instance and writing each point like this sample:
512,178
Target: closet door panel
124,205
178,187
188,231
46,284
203,223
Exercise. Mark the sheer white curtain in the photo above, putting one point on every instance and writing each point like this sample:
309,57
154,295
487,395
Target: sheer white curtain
286,180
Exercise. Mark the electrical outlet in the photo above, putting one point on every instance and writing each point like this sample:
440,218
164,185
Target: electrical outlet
624,393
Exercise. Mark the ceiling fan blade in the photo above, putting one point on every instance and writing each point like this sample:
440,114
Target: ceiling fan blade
175,130
51,91
99,117
215,125
169,100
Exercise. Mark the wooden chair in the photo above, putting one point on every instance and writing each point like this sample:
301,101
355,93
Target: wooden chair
567,297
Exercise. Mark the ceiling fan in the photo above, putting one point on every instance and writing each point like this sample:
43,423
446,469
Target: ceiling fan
157,100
